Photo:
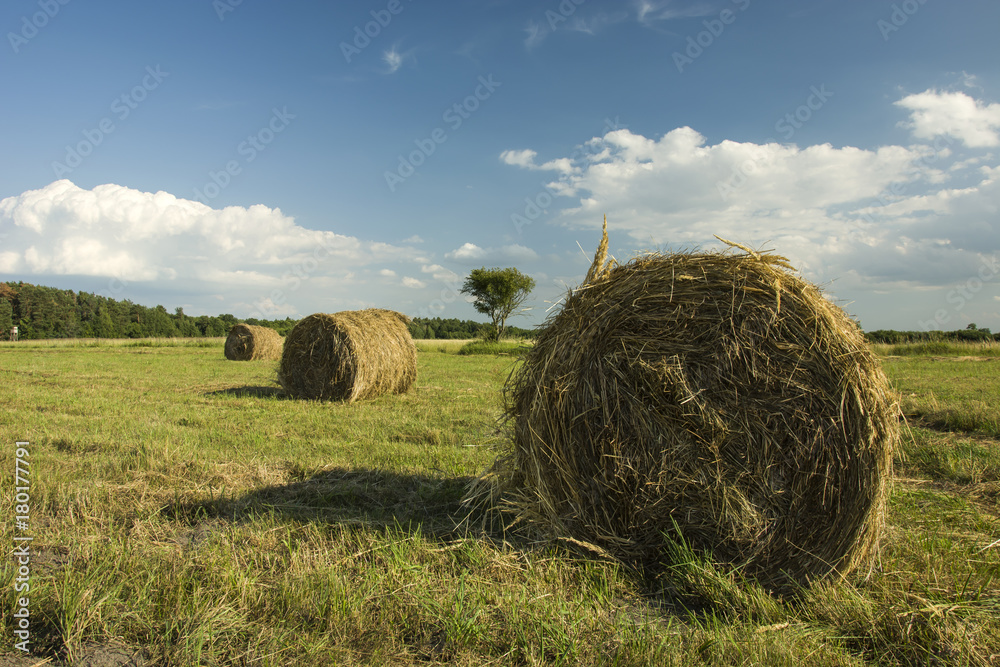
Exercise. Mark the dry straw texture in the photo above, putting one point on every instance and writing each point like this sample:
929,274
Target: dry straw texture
247,342
349,356
714,394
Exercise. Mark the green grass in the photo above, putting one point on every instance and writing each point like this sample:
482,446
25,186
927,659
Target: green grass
939,348
956,394
508,347
182,507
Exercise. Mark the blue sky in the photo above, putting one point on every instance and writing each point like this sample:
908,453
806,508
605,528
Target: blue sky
278,159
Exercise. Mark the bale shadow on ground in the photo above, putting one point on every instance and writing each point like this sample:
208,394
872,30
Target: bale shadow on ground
369,497
250,392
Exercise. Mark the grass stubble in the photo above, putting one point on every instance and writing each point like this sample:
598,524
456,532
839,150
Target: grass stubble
185,511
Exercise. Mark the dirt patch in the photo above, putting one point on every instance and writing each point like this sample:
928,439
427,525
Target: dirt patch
88,655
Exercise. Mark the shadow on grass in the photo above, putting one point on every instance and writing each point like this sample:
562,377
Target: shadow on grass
250,392
373,498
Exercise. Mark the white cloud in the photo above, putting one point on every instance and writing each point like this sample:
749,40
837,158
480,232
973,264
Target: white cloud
470,253
891,217
413,239
387,273
413,283
136,237
526,160
439,272
650,12
536,34
952,114
394,58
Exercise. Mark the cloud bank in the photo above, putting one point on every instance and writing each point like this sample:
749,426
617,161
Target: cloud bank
893,216
257,256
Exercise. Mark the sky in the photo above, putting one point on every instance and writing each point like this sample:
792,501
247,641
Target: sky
274,160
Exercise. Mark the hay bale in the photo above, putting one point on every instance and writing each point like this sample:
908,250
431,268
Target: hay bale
715,394
248,342
348,356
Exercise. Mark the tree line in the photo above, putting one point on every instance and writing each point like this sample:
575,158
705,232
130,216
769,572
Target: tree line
971,333
48,312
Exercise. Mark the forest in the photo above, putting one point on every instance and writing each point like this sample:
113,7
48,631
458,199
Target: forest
48,312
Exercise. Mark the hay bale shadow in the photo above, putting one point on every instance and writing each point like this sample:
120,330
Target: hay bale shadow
250,392
373,498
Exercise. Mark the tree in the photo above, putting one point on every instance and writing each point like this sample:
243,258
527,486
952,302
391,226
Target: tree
6,316
498,293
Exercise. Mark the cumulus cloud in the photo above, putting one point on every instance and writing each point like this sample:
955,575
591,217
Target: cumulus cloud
526,160
413,283
879,218
135,237
470,253
440,273
952,114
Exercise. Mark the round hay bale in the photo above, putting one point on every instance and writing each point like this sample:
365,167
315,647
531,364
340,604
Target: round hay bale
715,394
248,342
349,356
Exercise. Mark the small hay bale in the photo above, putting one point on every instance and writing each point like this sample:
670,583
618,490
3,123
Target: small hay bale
349,356
714,394
247,342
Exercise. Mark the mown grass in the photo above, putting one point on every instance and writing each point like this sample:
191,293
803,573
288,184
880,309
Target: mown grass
956,393
181,506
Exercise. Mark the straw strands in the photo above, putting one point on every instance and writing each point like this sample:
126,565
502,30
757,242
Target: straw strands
349,356
716,395
248,342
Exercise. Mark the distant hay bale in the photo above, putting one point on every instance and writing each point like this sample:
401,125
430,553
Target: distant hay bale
715,394
247,342
349,356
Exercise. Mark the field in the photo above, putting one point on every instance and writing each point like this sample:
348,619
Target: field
183,512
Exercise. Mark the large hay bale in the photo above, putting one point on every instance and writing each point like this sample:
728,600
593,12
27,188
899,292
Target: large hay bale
716,394
248,342
348,356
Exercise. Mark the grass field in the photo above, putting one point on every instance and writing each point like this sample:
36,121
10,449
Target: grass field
185,513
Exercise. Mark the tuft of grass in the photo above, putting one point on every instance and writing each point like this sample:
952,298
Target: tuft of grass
506,347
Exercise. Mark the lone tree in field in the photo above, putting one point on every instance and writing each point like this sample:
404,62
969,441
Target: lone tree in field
498,293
